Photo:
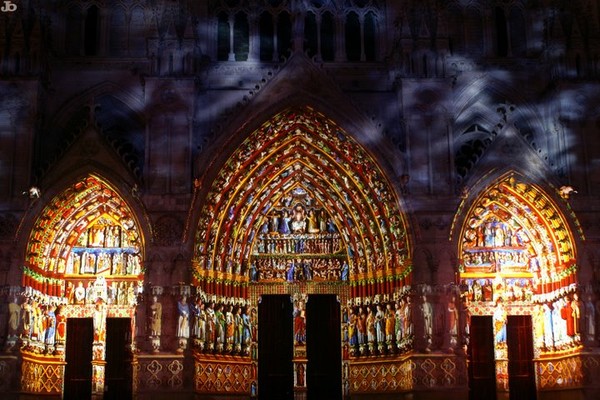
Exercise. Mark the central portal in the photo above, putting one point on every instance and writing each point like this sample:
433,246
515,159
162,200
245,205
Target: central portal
299,357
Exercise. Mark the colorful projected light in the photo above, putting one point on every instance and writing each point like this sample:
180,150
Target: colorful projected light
517,257
515,232
84,232
301,200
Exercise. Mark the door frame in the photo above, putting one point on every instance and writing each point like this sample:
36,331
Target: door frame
302,291
500,344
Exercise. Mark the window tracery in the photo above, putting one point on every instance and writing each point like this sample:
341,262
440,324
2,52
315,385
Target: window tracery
322,29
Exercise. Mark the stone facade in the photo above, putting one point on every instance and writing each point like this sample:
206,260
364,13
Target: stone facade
152,149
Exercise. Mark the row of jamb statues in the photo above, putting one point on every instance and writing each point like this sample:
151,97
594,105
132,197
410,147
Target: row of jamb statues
418,318
213,327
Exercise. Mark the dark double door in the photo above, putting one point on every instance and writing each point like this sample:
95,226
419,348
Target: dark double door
323,348
482,369
78,371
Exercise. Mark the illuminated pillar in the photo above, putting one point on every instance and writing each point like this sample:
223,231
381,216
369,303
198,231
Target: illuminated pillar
98,373
99,348
501,351
299,340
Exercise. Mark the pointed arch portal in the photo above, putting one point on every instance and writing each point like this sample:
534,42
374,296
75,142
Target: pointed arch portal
300,199
516,232
518,281
83,274
88,230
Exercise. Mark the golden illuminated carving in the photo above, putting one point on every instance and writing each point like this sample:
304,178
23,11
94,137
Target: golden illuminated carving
406,374
42,375
560,373
213,375
517,257
304,202
84,259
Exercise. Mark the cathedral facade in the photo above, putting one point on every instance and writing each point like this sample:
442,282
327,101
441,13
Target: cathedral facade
300,199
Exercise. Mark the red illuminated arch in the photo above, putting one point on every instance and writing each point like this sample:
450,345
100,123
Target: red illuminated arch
533,244
301,150
63,231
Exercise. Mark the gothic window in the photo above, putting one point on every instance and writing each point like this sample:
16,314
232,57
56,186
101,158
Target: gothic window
73,31
222,37
501,32
311,40
327,37
361,36
266,37
370,33
91,32
465,33
456,34
316,24
353,39
118,32
284,34
137,33
518,32
319,31
474,32
241,37
233,37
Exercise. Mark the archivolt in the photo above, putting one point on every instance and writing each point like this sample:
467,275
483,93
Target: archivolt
300,149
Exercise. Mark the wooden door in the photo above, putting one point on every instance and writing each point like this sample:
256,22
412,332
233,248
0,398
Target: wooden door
521,373
118,378
78,371
323,348
275,343
482,364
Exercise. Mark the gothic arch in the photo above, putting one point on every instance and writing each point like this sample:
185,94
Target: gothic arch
300,153
538,241
89,96
84,259
518,256
114,115
298,83
485,119
63,236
